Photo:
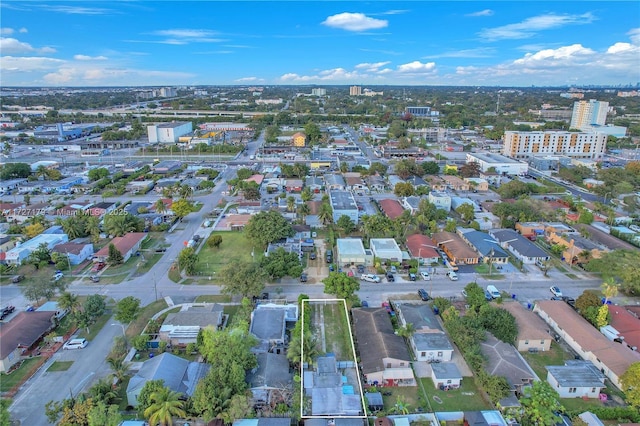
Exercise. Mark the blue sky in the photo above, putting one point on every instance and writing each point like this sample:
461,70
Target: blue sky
119,43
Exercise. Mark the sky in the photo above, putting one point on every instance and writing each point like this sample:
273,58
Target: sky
368,43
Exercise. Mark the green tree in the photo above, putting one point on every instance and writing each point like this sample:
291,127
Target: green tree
403,189
240,407
69,302
602,318
15,171
325,215
430,168
280,263
165,405
451,225
97,174
291,203
94,305
346,224
5,416
140,342
121,224
313,132
115,257
144,398
630,381
214,241
41,288
187,259
266,227
475,296
181,208
540,404
245,279
306,195
466,211
251,193
127,309
341,285
102,414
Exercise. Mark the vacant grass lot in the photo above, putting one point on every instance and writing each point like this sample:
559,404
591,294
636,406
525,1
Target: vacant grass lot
235,247
466,398
336,331
60,366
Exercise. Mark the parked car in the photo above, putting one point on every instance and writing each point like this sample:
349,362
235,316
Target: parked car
424,295
393,269
303,278
329,256
412,276
98,267
95,278
17,278
464,293
75,344
370,278
312,256
487,295
58,276
555,290
493,291
360,269
390,277
364,303
452,276
425,276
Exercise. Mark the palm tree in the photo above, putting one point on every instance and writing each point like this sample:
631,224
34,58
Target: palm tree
119,367
41,171
406,330
165,404
325,215
102,391
160,207
185,191
72,227
401,407
69,302
303,211
291,203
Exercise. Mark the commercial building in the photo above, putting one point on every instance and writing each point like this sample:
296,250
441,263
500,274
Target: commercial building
587,113
343,204
421,111
319,92
497,162
351,251
571,144
386,248
168,132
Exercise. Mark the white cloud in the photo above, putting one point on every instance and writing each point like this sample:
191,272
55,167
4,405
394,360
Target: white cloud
623,48
485,12
112,76
480,52
634,35
354,22
29,63
182,36
23,30
13,46
77,10
248,80
89,58
371,67
551,57
395,12
6,31
417,67
530,26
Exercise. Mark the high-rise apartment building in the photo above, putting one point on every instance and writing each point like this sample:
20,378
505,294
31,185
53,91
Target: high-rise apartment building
587,113
319,92
571,144
355,90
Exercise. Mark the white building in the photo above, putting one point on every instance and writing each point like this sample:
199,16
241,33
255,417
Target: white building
587,113
351,251
571,144
168,132
20,253
319,92
499,163
441,200
386,248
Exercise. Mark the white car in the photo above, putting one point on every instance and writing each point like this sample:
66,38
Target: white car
58,276
425,276
75,344
370,278
555,291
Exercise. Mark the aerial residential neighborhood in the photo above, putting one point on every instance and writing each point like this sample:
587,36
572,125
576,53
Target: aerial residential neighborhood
385,244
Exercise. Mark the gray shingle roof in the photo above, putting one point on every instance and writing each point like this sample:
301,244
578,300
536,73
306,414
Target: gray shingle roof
519,243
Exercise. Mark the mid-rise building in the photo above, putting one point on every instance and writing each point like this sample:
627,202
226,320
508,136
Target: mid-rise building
587,113
355,90
572,144
318,92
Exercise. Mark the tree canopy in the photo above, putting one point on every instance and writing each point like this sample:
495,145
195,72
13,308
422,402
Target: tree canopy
266,227
341,285
245,279
127,309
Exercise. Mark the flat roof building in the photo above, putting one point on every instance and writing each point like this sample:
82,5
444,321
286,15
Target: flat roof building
572,144
343,204
498,162
168,132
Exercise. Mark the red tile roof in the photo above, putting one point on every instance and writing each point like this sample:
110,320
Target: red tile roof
420,246
123,244
626,323
391,208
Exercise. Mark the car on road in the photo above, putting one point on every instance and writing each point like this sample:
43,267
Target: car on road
424,296
75,344
364,303
555,290
304,278
452,276
95,278
425,276
370,278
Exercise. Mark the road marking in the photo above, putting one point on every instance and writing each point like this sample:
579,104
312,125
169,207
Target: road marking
78,388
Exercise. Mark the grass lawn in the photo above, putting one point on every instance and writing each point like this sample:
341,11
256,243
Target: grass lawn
148,263
109,279
235,247
123,267
8,381
483,270
409,395
231,310
95,328
579,404
174,274
122,393
137,325
60,366
466,398
555,356
336,332
213,298
64,326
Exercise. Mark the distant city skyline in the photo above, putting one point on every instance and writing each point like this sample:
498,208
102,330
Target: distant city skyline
465,43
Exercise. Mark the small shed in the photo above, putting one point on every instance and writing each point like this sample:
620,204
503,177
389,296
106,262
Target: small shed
445,375
374,401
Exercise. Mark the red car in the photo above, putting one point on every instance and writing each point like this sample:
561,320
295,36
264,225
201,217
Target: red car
98,267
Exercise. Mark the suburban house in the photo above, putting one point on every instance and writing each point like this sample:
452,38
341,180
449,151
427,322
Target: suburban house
429,341
445,375
293,185
478,184
532,331
484,244
178,374
343,204
100,209
456,248
504,360
391,208
269,323
411,203
530,229
351,251
75,252
436,183
334,182
576,379
522,248
376,183
330,394
354,182
586,340
314,183
271,380
421,247
22,333
386,249
455,183
416,181
127,245
394,180
626,322
384,357
576,247
182,328
20,253
441,200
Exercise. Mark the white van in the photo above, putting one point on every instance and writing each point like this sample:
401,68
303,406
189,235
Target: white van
75,344
452,276
493,291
